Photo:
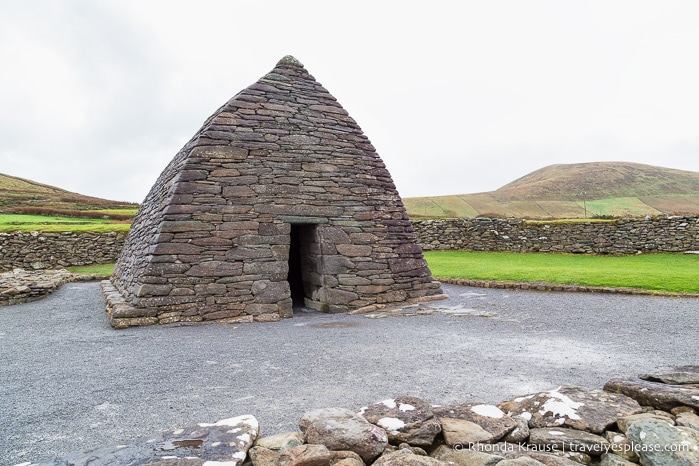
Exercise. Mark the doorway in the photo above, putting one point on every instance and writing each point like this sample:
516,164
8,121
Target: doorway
301,264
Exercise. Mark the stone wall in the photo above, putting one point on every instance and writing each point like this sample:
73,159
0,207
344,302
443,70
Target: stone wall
647,420
623,236
39,250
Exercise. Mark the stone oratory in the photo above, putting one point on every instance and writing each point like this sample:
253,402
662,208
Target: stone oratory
279,200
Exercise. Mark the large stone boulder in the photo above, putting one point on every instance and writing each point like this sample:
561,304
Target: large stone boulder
576,407
405,419
342,429
521,461
405,457
624,422
660,444
678,376
469,423
549,459
226,441
465,457
687,419
658,395
610,459
305,455
566,439
281,441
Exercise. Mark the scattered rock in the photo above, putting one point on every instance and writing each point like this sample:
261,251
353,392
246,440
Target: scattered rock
499,448
565,439
305,455
610,459
405,419
464,457
341,429
261,456
679,376
463,433
226,441
677,410
281,441
520,433
345,458
521,461
489,418
415,450
686,419
548,459
474,434
660,444
22,286
407,458
621,446
577,456
658,395
579,408
626,421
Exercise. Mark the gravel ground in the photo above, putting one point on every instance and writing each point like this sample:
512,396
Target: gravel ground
69,382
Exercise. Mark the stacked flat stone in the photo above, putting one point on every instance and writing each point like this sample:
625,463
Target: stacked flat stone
621,236
44,250
212,241
21,286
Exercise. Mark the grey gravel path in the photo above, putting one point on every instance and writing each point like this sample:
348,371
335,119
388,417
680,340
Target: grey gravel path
69,382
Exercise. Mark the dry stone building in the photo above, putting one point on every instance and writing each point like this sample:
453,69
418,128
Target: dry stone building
278,200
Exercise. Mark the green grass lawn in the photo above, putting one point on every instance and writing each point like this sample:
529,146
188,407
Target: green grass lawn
15,222
655,272
101,270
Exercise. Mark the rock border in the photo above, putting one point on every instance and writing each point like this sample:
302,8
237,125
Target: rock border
630,421
21,286
544,286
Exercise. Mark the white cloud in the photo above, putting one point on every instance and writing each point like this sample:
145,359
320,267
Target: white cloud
97,96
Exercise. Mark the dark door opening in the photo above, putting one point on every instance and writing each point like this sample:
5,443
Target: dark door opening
302,235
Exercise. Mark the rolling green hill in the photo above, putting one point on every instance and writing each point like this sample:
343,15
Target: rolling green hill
619,189
20,196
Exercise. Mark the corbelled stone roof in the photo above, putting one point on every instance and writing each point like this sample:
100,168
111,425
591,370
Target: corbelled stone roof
216,224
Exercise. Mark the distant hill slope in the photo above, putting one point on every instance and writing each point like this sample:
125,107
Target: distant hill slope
21,196
575,191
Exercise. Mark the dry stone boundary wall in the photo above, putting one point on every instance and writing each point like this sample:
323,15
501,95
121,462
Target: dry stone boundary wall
36,250
623,236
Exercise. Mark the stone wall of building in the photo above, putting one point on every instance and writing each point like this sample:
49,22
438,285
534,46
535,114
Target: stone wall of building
279,197
623,236
40,250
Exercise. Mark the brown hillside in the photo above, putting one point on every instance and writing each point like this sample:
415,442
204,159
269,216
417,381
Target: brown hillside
599,180
21,196
618,189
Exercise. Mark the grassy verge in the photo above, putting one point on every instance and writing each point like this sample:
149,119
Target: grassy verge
55,224
677,273
101,270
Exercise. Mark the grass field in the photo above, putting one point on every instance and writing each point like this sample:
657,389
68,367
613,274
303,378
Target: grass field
673,273
100,270
678,273
20,222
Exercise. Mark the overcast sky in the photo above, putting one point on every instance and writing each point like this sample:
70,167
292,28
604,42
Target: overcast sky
97,96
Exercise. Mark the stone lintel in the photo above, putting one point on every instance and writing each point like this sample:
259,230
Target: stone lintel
302,220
